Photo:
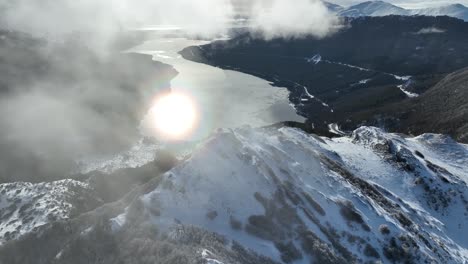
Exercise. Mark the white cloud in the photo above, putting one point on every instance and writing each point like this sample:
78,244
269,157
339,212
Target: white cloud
55,17
283,18
82,104
200,17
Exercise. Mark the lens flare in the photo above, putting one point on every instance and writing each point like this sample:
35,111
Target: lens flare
173,116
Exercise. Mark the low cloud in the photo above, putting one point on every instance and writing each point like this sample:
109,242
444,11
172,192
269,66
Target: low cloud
62,101
272,18
284,19
101,19
62,97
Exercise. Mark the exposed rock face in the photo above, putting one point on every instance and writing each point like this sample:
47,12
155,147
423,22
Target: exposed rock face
279,195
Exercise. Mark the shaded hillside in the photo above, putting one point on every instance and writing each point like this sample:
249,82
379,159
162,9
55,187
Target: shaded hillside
442,109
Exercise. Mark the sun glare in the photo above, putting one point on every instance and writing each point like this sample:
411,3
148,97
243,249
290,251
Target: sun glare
174,116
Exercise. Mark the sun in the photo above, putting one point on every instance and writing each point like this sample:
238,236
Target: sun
173,116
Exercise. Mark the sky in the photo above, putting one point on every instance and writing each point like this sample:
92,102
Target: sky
411,4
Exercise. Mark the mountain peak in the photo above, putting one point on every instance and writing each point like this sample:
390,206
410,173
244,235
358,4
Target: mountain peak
373,8
458,5
333,7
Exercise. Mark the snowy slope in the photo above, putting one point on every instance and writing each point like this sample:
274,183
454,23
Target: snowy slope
296,197
454,10
334,8
26,206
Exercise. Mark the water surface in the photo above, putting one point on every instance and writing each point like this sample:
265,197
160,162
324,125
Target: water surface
225,98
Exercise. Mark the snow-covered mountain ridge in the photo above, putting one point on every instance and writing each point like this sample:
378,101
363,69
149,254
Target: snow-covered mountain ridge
296,197
381,8
280,195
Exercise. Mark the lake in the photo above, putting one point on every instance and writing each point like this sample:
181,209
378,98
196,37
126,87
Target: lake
225,98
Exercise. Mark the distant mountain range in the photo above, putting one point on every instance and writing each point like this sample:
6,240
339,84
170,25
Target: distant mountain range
381,8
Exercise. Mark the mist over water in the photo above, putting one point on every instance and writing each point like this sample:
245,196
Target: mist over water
226,99
73,94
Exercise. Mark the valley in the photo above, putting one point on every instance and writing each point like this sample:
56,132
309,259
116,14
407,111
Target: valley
374,79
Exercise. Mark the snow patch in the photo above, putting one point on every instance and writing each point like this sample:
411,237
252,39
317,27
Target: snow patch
316,59
208,256
430,30
403,88
119,221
